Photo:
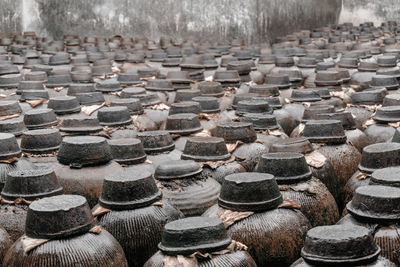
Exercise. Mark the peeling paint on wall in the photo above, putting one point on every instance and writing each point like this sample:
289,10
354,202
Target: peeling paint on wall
377,11
251,20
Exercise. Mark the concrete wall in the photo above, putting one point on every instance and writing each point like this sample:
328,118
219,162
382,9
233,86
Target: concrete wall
253,20
377,11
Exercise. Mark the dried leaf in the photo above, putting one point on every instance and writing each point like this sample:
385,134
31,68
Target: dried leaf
315,159
115,69
302,126
368,123
3,118
88,110
204,116
259,141
274,132
179,261
148,161
204,133
140,85
289,203
148,78
236,118
175,136
306,104
316,146
29,155
229,217
216,164
102,134
10,161
116,93
100,211
35,103
339,94
232,147
158,203
228,94
58,89
161,106
362,176
96,229
394,124
209,79
29,244
286,100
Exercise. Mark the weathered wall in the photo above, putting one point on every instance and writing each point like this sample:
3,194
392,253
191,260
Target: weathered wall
253,20
377,11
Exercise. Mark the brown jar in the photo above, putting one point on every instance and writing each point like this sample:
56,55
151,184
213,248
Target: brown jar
86,161
21,188
376,208
252,200
65,225
374,157
10,157
5,243
186,186
295,181
132,210
331,139
341,245
322,169
191,236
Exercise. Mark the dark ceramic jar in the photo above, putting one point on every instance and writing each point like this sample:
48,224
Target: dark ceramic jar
10,157
5,243
254,198
374,157
322,168
213,152
330,137
295,181
376,208
21,188
182,238
341,245
66,222
383,130
86,162
132,210
186,187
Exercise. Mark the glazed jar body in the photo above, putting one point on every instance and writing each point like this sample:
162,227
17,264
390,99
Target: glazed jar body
191,196
46,162
326,174
12,218
357,138
5,243
234,259
280,232
317,203
379,133
21,164
345,159
386,235
286,120
138,230
219,173
353,183
87,250
87,181
360,115
249,154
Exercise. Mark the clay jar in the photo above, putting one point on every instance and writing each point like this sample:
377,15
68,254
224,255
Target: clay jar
182,238
130,208
5,243
65,222
329,137
251,200
384,130
340,245
213,153
374,157
321,169
21,188
10,157
295,181
376,208
186,187
86,162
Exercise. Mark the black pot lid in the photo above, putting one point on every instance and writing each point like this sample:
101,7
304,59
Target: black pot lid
176,169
